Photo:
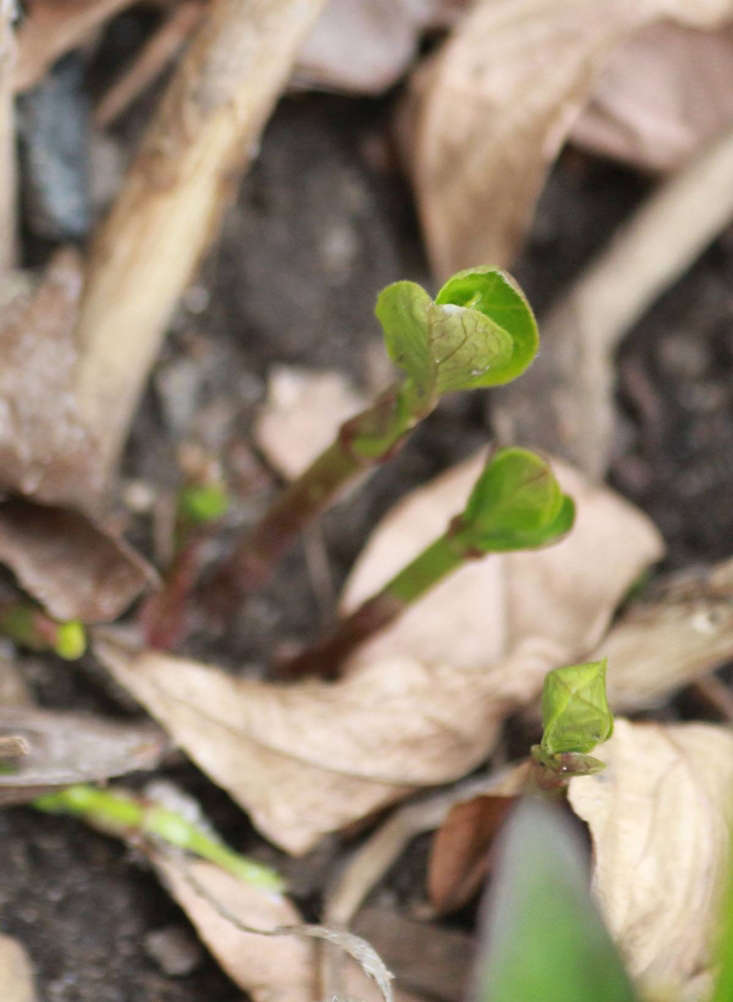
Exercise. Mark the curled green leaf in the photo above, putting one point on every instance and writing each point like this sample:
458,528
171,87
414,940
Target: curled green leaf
516,504
575,713
480,331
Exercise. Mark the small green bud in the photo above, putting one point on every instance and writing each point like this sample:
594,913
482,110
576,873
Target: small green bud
575,713
71,640
202,503
480,331
515,504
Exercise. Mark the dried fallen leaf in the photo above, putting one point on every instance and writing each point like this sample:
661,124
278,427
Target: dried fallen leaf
64,558
660,816
59,749
420,705
490,112
16,974
662,94
302,413
663,642
69,563
270,969
364,46
46,450
459,858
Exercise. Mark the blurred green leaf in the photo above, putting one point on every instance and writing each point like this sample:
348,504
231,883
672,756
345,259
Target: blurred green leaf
542,938
515,504
724,984
201,503
480,331
575,713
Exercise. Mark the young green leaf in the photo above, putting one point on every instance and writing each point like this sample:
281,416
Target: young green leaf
516,504
575,713
543,939
480,331
724,983
202,503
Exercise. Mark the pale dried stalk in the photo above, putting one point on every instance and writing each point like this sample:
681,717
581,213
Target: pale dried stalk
7,138
205,131
150,61
564,403
53,28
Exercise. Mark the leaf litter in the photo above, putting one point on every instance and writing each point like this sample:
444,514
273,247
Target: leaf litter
421,704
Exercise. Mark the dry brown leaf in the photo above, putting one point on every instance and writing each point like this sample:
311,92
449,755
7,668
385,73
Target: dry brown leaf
663,93
459,857
69,563
63,748
302,413
660,817
364,46
489,113
16,973
420,705
424,956
52,28
270,969
63,558
46,451
670,639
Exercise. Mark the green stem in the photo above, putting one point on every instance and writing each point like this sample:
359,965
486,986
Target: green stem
362,442
121,814
31,627
439,559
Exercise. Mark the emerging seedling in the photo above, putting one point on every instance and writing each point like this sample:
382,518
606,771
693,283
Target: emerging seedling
575,718
29,626
121,814
515,504
479,331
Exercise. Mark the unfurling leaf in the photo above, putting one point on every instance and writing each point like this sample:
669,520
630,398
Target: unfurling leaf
480,331
575,713
543,940
515,504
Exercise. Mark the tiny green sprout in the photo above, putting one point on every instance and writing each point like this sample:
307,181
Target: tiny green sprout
71,640
479,331
119,813
515,504
202,503
575,718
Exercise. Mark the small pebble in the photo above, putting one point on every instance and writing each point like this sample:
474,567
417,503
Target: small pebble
174,949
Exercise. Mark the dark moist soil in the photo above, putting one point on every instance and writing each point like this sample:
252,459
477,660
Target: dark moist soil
323,221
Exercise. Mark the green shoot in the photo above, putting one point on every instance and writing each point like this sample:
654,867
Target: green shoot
724,984
575,718
199,504
543,939
479,331
515,504
29,626
121,814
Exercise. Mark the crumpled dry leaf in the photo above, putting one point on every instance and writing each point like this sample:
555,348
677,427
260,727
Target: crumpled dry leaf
489,113
63,558
16,973
667,640
51,28
660,816
662,94
65,748
45,449
301,415
364,46
459,856
69,563
270,969
419,705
